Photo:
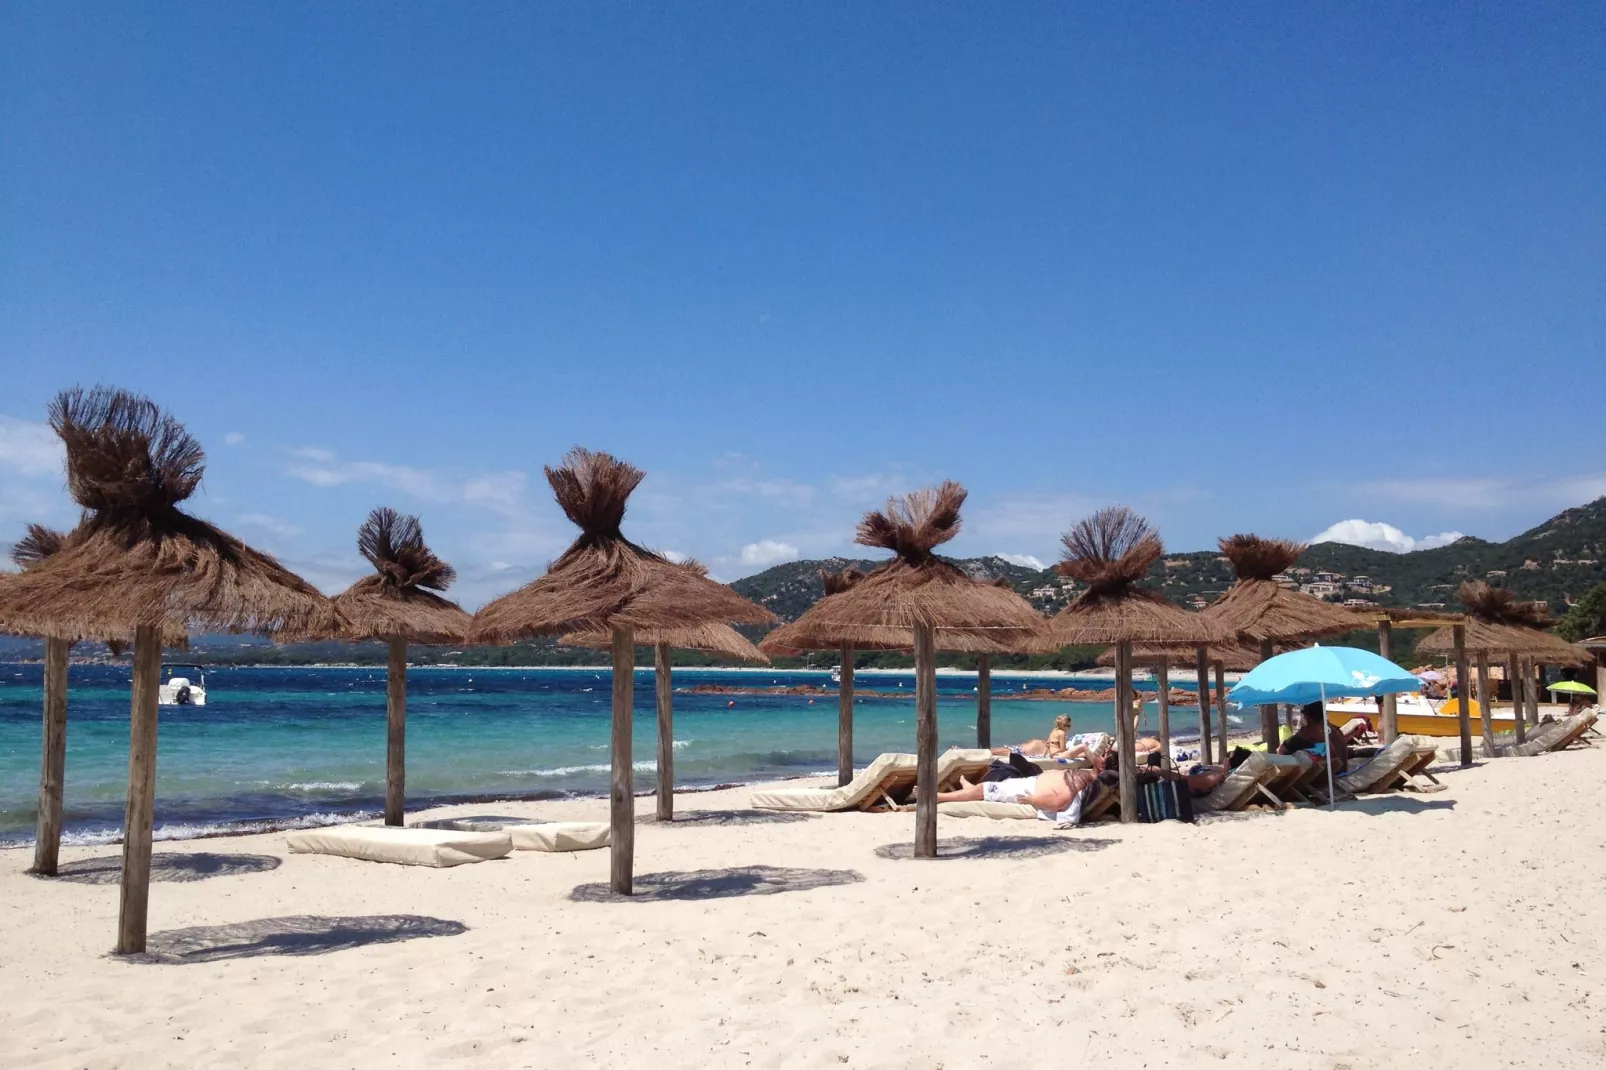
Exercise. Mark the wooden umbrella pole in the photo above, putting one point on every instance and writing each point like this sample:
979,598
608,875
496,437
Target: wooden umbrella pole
1162,681
621,794
1536,692
1268,714
1485,704
1221,707
662,685
1600,674
1463,681
1123,732
1201,669
52,759
844,719
925,742
396,733
134,897
984,701
1514,679
1390,726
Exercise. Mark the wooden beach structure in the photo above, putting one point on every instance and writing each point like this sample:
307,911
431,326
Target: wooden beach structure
916,599
1221,657
605,583
1110,552
138,565
400,603
1257,610
713,638
1499,625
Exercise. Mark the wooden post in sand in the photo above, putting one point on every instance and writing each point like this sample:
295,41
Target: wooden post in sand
1514,678
1201,669
134,894
844,719
925,742
396,731
663,688
1536,694
1463,688
1268,714
1485,704
621,794
1221,707
1600,674
1123,732
1162,680
984,701
1390,723
52,759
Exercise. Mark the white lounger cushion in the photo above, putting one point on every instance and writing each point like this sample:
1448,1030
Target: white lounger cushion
1238,787
533,835
408,847
864,788
995,810
1384,767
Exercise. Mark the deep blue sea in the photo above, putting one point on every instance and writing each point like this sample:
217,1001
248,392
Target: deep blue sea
280,747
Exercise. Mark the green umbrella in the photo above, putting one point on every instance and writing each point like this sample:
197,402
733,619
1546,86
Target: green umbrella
1573,687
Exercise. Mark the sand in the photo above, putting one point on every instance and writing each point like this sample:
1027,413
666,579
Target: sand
1465,928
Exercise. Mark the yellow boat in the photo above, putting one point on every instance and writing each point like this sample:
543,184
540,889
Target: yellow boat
1416,716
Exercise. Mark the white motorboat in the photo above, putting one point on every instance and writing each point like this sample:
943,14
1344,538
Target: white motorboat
182,685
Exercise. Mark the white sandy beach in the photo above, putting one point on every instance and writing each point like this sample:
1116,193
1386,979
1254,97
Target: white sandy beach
1465,928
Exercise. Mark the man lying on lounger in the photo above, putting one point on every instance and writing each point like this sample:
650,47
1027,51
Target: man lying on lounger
1049,793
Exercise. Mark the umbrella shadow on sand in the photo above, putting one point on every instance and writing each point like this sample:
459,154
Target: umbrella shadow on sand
718,884
300,934
170,866
1016,847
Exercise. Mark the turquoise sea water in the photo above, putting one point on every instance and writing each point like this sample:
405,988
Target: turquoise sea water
279,747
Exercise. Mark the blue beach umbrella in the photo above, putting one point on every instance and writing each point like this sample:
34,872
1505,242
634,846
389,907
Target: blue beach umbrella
1315,673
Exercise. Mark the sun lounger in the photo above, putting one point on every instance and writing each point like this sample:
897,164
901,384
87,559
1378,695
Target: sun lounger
1292,777
1103,798
1386,769
885,784
408,847
1242,785
1551,736
532,836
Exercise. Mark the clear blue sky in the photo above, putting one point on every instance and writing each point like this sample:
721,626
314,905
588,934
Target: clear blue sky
1243,267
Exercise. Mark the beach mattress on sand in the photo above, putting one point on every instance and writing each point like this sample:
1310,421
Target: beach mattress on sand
533,835
407,847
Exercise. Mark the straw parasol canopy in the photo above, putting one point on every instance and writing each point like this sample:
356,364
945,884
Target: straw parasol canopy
1255,608
605,582
1232,657
1110,552
136,559
137,562
1499,624
402,599
711,638
915,588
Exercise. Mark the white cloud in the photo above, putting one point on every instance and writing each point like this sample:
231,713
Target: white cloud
676,556
270,524
784,491
871,489
313,453
1023,560
28,448
233,438
1376,535
768,552
500,492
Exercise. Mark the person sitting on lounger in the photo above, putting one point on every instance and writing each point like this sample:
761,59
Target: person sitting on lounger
1057,745
1311,734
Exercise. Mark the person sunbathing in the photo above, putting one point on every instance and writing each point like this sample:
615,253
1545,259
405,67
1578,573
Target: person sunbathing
1057,745
1048,793
1313,731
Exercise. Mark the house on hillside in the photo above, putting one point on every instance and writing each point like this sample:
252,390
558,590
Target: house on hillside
1320,589
1495,574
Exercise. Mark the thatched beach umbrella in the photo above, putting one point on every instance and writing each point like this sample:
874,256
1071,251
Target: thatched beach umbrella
138,563
399,604
1110,551
915,596
38,545
1259,611
713,638
1498,624
605,582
